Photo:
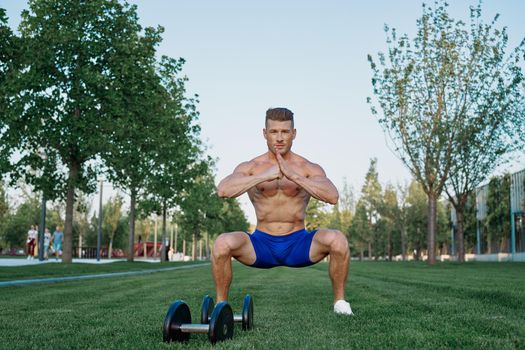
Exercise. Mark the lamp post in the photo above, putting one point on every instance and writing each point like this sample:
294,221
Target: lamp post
99,236
42,229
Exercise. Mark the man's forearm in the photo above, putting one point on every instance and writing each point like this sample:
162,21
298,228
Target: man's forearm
232,187
323,190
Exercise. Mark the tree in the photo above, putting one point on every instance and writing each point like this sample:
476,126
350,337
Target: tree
25,215
417,218
433,93
360,229
200,209
179,157
112,214
498,209
371,200
4,212
390,214
132,146
9,53
346,206
315,214
403,218
232,217
488,85
63,103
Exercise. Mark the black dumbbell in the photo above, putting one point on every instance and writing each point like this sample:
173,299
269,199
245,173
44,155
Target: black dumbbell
246,317
178,326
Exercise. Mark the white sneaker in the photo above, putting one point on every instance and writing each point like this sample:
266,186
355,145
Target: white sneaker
343,307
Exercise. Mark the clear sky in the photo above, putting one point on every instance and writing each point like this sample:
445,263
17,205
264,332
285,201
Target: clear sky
310,56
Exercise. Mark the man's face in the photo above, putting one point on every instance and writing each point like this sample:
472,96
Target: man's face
279,136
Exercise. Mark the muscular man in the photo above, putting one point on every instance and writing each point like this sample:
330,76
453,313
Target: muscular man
280,184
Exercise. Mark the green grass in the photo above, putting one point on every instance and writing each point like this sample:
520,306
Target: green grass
397,305
57,269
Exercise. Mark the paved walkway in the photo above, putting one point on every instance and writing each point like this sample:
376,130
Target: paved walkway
25,262
102,275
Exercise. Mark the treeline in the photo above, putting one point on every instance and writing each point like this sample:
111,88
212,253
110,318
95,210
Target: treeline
84,94
221,216
451,101
385,222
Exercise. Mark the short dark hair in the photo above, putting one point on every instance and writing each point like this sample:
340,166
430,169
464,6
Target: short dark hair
279,114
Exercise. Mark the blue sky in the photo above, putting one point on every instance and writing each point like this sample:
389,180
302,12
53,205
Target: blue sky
310,56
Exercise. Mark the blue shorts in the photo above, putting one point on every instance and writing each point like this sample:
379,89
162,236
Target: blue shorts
292,250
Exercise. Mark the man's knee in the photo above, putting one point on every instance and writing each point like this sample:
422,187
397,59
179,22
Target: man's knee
339,243
222,247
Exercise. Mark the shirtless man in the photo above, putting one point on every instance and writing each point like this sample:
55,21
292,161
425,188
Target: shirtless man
280,184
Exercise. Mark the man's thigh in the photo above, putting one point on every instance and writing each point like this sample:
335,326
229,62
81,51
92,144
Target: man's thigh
241,247
321,243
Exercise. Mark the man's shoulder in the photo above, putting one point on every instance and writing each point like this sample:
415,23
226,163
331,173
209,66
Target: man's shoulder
302,161
260,159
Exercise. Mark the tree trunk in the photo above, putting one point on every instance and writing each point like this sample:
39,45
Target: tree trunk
417,245
207,246
67,254
176,239
361,252
431,234
389,245
163,245
131,241
110,248
369,250
79,246
460,242
155,239
193,247
183,249
403,243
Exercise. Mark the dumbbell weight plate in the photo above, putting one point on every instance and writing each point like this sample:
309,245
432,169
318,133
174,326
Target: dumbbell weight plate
178,313
221,323
206,309
247,313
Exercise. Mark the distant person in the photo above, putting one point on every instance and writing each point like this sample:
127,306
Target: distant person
280,184
58,237
47,241
31,242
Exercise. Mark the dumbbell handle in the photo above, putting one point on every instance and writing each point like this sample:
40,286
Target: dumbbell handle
194,328
236,318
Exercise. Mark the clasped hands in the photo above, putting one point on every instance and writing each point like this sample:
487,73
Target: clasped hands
282,169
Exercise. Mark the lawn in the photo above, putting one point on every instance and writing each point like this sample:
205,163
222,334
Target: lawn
397,305
58,269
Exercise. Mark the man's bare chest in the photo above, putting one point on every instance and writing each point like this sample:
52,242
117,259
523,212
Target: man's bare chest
282,186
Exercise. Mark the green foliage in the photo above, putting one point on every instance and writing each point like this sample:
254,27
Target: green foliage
4,213
64,103
417,216
113,224
497,222
9,53
232,217
450,99
371,198
315,215
16,227
360,229
200,209
390,212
